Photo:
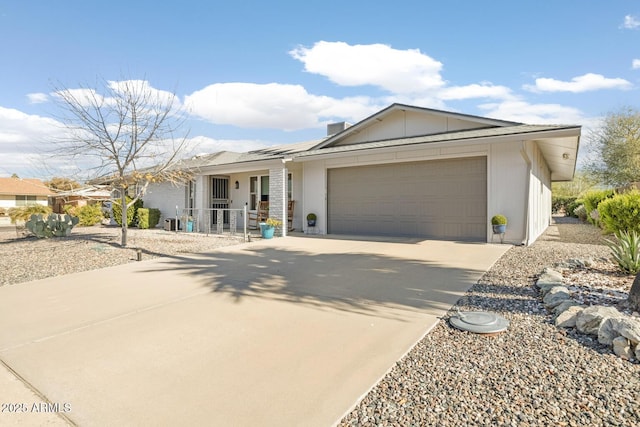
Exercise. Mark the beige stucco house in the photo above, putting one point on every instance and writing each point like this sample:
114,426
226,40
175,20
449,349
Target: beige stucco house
404,171
15,192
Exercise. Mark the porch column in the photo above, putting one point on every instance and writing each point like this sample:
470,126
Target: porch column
278,197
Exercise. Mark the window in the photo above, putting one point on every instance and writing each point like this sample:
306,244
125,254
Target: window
261,192
25,200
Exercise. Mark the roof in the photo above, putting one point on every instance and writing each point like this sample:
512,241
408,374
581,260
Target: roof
482,122
89,192
24,187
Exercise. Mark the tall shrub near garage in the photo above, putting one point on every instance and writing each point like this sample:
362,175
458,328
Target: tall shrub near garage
621,212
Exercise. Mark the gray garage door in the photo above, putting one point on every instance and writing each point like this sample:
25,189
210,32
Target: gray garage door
444,199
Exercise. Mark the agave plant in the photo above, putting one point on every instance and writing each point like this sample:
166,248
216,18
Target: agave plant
626,250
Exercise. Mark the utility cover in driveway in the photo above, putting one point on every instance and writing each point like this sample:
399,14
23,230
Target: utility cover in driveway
445,199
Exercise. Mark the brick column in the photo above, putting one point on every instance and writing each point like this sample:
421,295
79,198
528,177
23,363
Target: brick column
278,197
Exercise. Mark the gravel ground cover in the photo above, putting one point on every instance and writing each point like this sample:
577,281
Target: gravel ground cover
534,374
25,258
531,375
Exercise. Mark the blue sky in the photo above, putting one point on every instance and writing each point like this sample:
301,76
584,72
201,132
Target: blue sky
256,73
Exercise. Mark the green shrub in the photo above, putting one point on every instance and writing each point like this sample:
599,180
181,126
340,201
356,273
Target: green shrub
24,213
131,211
154,217
592,199
89,214
626,250
621,212
143,218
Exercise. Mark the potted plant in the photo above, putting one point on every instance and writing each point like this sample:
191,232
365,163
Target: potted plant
499,223
311,220
268,227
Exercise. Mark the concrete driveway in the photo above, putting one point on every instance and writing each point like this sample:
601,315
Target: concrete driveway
289,331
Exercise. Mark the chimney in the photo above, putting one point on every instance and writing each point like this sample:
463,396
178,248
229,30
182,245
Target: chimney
333,128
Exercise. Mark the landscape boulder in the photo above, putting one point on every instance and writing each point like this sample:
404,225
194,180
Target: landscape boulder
612,328
588,321
556,296
567,318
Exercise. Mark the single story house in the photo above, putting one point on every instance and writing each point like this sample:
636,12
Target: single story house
15,192
403,171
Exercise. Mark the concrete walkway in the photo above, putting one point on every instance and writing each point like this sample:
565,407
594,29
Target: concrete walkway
289,331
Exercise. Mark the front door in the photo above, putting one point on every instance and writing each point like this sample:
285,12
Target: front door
220,197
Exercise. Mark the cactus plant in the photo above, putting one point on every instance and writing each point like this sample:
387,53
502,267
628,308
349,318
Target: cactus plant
54,225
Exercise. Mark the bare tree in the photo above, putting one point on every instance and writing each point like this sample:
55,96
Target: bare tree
126,133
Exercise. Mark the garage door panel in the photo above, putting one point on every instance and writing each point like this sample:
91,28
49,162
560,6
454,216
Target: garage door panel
437,198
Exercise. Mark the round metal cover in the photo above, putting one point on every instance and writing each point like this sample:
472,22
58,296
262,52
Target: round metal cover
479,322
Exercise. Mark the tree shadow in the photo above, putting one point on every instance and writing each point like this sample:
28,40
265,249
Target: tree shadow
356,282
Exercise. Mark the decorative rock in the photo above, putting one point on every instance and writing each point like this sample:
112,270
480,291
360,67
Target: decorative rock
611,328
589,320
549,277
567,319
622,348
556,296
637,352
565,305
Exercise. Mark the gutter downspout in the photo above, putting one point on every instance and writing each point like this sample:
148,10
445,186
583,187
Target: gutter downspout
525,156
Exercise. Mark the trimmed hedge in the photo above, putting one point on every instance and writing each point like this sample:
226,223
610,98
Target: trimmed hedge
148,217
132,211
621,212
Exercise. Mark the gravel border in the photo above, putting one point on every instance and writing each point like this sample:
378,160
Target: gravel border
24,258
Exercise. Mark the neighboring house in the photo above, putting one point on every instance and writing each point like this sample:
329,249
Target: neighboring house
404,171
79,197
15,192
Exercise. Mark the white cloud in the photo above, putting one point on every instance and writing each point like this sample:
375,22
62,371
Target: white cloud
521,111
37,98
397,71
630,23
635,64
24,142
475,90
272,105
584,83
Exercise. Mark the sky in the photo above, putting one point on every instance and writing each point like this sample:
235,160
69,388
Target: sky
253,74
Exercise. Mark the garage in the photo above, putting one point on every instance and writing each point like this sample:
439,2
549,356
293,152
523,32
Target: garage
443,199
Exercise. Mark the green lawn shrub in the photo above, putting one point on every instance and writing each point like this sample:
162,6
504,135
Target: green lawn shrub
621,212
23,213
570,209
89,214
131,211
148,217
143,218
592,199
